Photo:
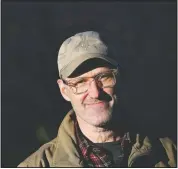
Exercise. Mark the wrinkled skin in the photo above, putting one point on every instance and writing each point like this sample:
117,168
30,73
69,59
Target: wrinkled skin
94,107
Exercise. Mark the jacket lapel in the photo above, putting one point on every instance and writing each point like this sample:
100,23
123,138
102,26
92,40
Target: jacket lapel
66,154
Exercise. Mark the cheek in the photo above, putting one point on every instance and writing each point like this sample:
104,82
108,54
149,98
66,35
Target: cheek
109,91
112,93
77,100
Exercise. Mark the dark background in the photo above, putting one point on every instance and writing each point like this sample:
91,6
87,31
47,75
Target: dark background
143,36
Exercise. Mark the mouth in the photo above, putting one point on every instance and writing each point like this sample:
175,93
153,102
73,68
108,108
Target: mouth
97,103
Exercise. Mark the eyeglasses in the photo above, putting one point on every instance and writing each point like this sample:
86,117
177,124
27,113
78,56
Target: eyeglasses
103,80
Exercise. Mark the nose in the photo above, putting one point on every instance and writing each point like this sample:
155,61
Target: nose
93,90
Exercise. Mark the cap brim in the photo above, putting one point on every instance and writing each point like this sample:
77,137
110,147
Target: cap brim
74,64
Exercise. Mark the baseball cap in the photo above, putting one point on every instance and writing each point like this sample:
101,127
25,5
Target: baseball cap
79,48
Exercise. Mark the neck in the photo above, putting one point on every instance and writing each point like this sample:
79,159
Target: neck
98,134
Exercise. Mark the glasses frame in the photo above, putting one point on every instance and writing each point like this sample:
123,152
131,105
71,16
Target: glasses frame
115,72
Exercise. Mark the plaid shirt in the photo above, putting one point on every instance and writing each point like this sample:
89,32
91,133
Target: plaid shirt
94,156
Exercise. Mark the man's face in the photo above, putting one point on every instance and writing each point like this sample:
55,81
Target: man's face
95,106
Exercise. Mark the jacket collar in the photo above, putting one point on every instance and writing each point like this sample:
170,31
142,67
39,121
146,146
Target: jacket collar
66,154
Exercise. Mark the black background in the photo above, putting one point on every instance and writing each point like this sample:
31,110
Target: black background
143,36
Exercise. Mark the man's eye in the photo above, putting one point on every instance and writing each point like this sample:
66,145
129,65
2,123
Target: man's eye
81,82
77,82
105,77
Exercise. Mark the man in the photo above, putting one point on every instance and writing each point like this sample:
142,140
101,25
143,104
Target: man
89,136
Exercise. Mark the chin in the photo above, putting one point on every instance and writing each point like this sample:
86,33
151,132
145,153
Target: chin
98,116
100,121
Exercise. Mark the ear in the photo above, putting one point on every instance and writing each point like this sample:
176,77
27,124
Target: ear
63,89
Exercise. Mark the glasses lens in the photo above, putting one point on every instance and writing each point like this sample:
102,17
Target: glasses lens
81,89
81,86
107,80
103,81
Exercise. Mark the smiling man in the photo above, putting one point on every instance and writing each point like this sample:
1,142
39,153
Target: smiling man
89,136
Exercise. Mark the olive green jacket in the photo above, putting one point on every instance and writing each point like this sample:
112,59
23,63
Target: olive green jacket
62,151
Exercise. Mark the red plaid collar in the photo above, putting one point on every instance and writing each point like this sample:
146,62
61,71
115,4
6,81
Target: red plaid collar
94,156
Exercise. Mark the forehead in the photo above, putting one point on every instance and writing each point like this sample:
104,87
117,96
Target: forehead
92,72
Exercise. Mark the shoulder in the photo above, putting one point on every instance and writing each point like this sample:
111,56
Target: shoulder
170,149
42,157
162,150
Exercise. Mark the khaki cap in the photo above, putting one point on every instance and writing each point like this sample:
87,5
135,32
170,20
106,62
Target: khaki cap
79,48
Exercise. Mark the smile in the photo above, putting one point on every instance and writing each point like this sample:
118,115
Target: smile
98,103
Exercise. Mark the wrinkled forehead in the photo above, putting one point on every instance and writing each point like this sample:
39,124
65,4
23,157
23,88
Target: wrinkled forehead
91,67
